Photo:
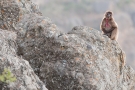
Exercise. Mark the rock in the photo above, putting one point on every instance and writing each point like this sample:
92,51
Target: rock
12,11
83,59
26,78
33,38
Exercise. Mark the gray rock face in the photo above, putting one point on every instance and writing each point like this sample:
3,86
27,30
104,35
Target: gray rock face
32,40
82,59
26,78
11,11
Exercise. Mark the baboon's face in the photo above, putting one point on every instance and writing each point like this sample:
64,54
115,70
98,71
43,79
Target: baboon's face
108,15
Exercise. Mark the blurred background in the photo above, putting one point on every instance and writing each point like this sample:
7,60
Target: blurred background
69,13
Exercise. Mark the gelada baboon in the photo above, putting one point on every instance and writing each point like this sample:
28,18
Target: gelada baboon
109,26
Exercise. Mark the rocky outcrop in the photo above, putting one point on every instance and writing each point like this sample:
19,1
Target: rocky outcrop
9,16
82,59
26,78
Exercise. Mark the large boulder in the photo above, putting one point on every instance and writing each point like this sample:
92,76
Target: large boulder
82,59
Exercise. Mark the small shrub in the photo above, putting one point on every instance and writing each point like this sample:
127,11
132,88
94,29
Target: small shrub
7,76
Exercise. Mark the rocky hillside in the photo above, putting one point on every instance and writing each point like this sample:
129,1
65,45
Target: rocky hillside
82,59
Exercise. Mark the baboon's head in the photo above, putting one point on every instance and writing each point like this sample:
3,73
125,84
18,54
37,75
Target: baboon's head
108,15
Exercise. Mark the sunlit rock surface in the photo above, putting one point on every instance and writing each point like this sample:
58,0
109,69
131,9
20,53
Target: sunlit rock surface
82,59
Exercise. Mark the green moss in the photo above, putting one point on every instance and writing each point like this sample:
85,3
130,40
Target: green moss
7,76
